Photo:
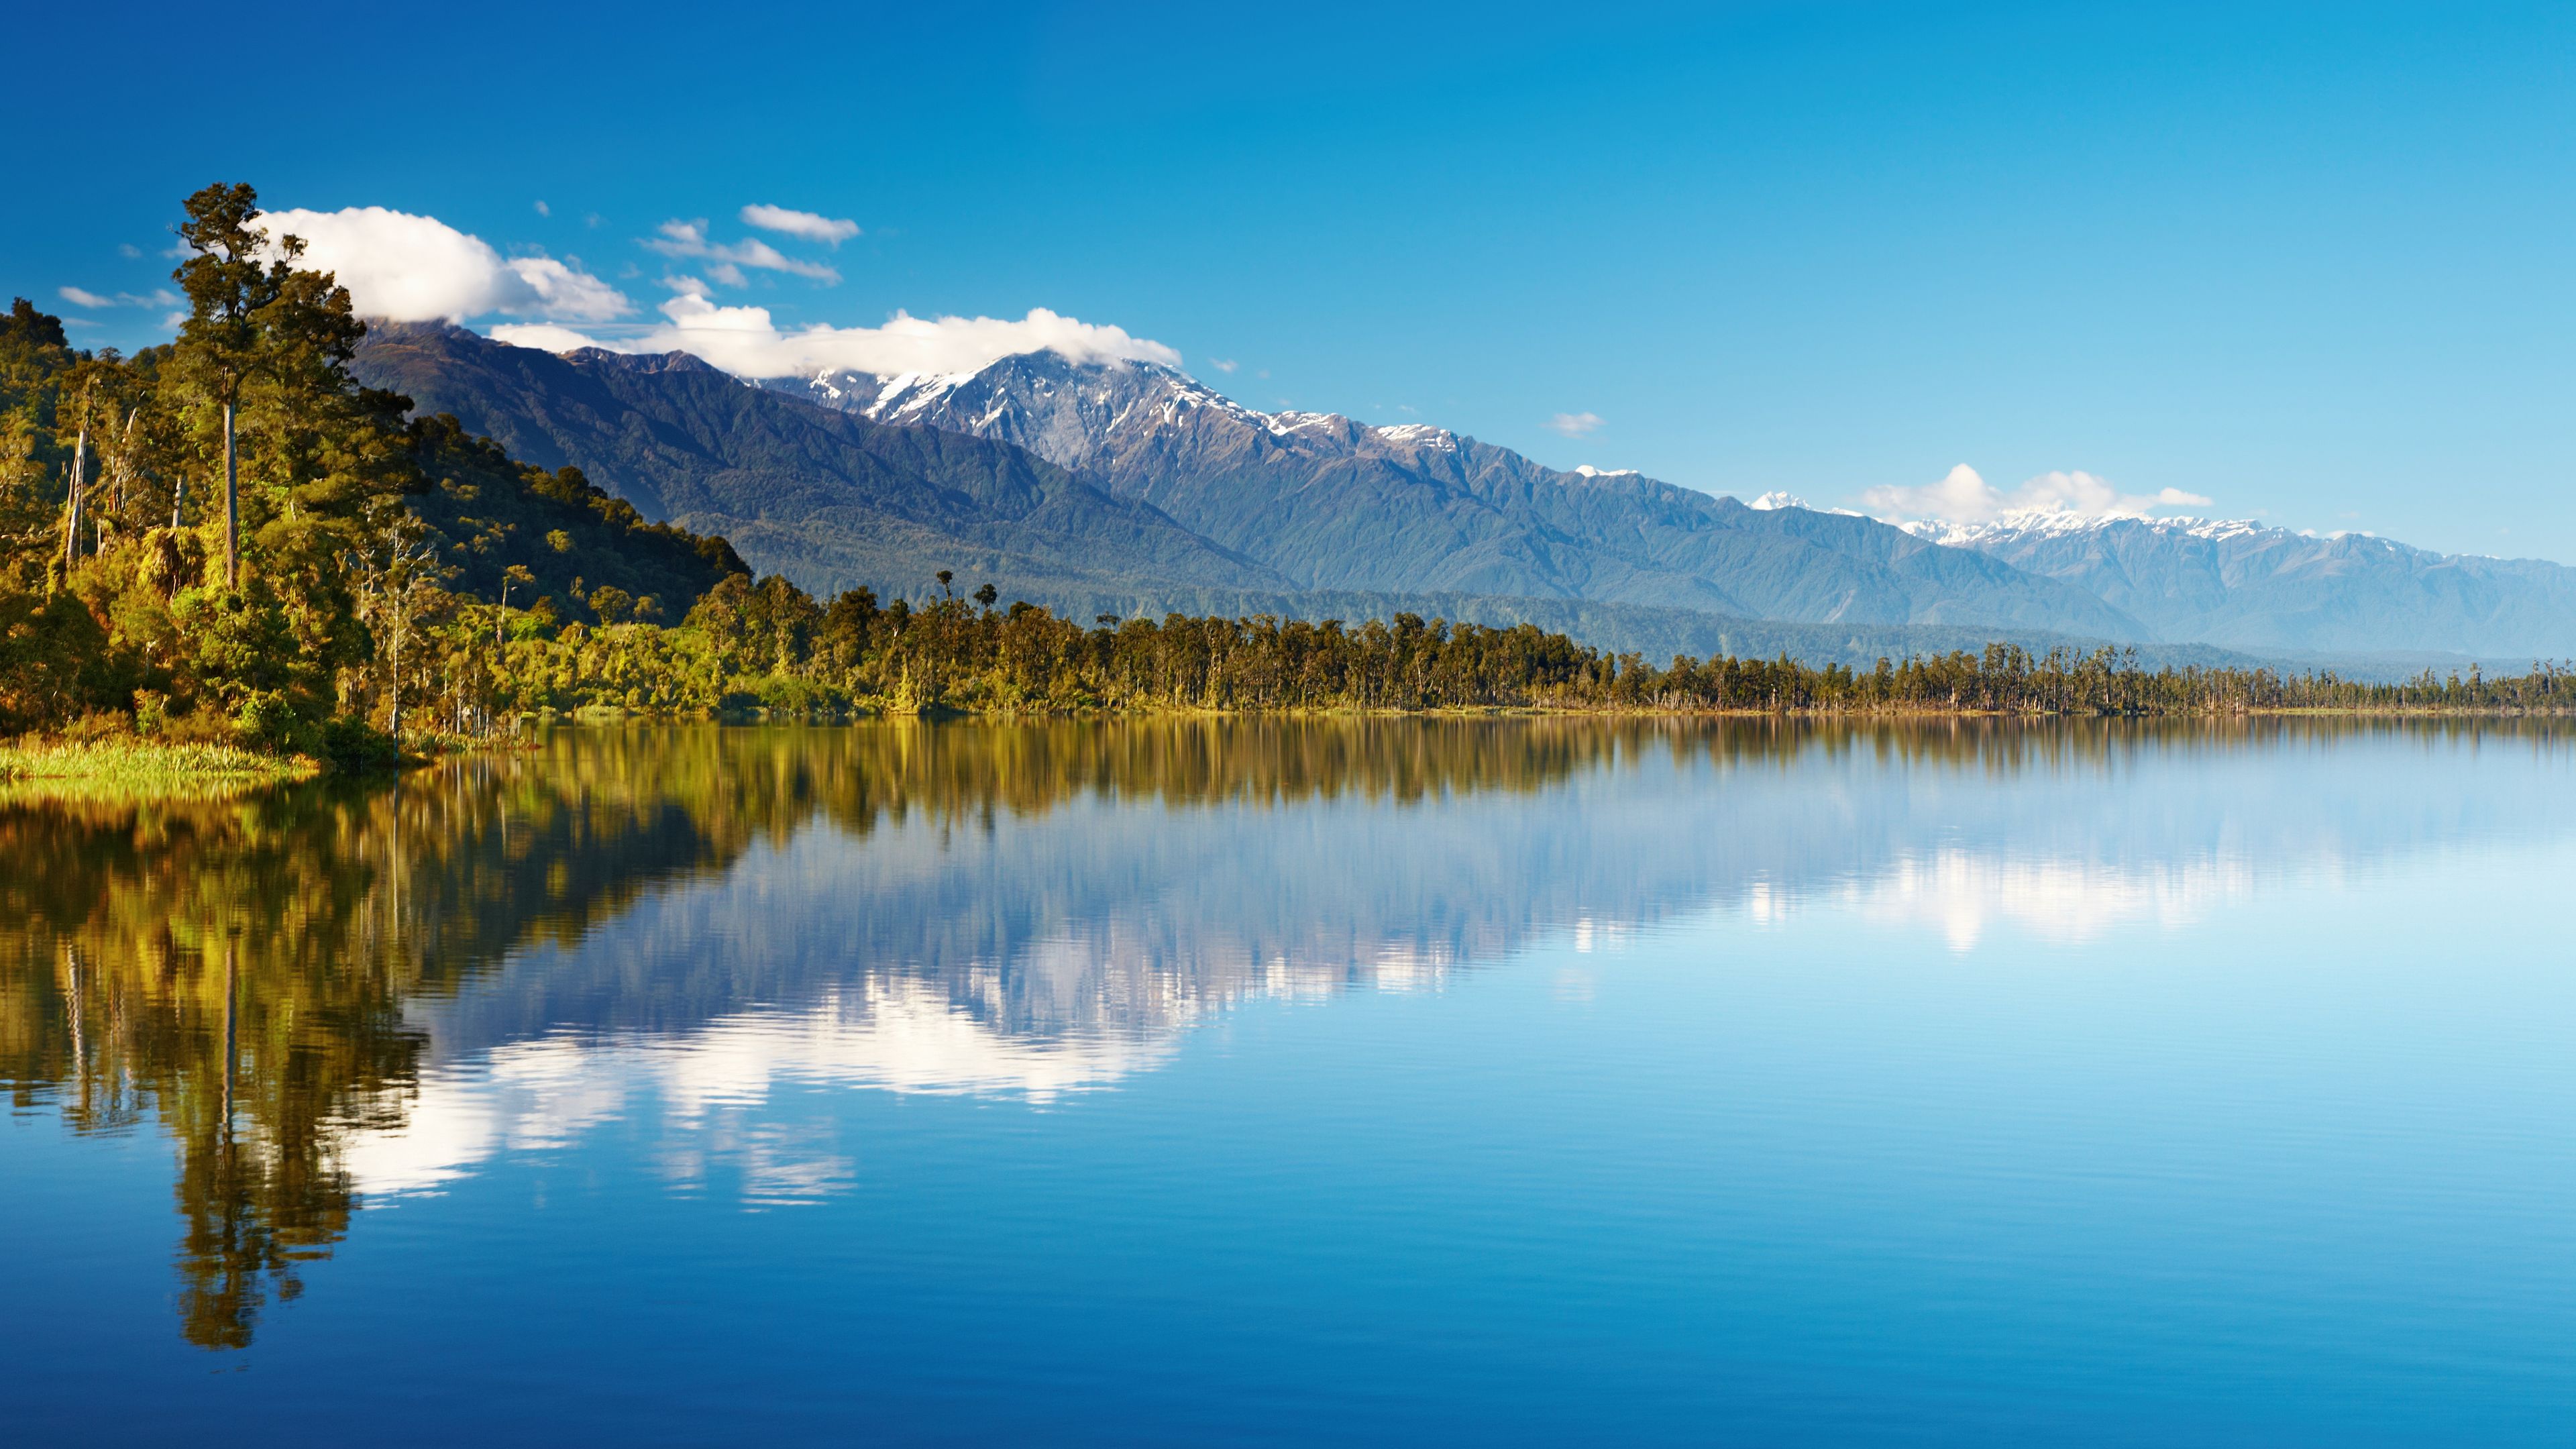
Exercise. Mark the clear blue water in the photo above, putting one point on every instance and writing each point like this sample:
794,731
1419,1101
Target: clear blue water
1227,1081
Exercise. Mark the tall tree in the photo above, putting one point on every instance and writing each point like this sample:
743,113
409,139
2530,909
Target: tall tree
228,282
33,358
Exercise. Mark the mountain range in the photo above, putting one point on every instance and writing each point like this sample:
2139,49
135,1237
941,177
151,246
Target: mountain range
1125,486
830,500
1330,503
2239,585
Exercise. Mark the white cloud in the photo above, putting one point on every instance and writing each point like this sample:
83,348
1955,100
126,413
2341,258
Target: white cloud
545,336
544,210
83,297
566,292
806,224
1224,364
1963,496
418,268
745,342
1574,425
128,250
689,239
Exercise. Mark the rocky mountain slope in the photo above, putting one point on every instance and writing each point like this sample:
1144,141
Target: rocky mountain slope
1329,503
831,500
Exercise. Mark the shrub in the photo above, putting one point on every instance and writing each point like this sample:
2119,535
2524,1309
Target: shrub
266,722
352,746
612,604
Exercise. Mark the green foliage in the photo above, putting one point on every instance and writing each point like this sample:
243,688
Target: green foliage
351,745
534,532
52,656
767,645
266,722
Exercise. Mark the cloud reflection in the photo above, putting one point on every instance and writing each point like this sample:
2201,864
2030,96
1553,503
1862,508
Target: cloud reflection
1961,894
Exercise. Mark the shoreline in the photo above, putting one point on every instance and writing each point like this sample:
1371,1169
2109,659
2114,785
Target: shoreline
128,766
614,714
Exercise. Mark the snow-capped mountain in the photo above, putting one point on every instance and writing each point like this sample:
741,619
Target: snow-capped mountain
1127,482
831,501
1108,418
1334,503
2062,522
2239,584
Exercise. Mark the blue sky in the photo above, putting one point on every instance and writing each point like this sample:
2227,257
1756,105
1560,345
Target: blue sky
2312,263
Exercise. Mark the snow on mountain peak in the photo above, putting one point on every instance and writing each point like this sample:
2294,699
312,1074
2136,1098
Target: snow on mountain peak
1290,424
1419,435
2062,522
1778,498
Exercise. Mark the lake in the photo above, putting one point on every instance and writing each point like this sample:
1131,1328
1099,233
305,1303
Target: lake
1169,1082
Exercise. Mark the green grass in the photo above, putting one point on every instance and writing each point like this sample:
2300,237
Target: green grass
142,762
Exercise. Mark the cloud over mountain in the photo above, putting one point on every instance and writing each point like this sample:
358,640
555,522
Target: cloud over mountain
1964,496
419,269
746,342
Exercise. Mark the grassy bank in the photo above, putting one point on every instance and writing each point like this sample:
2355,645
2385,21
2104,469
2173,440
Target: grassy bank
139,762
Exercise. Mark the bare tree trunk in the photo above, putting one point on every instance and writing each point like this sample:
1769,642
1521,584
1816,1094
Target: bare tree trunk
232,509
72,514
393,658
125,460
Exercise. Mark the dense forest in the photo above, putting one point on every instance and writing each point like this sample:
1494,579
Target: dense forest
228,538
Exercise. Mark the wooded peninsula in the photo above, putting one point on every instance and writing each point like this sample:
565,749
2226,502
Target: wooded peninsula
226,544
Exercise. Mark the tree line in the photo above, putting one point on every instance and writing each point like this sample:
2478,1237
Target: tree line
228,537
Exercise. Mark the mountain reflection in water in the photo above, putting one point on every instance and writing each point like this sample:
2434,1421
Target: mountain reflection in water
328,993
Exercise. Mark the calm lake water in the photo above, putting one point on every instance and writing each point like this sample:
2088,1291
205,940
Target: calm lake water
1398,1081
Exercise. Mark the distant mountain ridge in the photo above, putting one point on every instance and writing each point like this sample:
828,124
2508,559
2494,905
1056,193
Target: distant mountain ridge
1330,503
2239,584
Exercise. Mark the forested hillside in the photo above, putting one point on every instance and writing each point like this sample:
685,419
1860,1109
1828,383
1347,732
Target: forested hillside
517,531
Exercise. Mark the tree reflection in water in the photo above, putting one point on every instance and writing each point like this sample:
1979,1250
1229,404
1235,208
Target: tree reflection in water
246,972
